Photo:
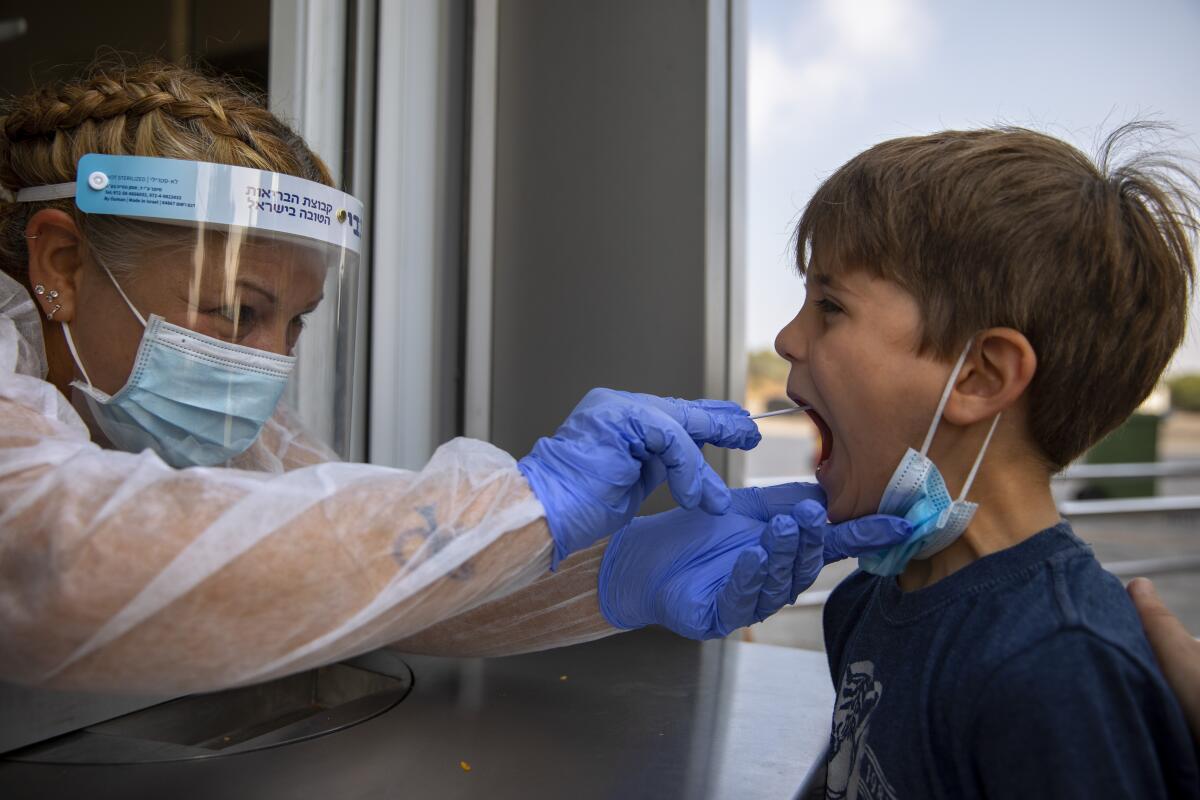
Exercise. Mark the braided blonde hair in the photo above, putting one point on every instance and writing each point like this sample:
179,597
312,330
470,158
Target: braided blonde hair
149,109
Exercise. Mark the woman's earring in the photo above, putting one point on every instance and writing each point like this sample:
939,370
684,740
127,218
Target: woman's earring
51,296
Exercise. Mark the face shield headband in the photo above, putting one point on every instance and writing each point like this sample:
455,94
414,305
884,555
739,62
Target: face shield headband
200,193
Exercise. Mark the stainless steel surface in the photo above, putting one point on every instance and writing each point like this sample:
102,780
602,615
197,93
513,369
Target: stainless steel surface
278,712
639,715
33,715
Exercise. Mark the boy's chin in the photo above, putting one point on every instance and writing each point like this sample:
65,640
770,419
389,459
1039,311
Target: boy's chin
841,500
840,512
844,509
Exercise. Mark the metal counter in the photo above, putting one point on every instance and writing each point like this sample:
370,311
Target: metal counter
639,715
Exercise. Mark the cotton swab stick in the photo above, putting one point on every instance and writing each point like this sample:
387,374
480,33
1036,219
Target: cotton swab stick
766,414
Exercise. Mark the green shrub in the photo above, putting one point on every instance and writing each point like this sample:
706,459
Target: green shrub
767,366
1185,392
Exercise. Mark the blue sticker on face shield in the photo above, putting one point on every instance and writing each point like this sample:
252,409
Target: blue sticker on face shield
199,192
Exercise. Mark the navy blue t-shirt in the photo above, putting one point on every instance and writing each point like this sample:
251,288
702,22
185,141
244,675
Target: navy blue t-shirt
1024,674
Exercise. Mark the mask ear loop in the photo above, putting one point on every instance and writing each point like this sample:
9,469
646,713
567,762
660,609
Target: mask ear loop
71,341
978,460
75,354
937,415
124,296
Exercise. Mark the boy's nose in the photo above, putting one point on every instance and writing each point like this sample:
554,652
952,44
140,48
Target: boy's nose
790,341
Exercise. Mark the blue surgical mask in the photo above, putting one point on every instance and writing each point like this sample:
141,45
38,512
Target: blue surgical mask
917,492
193,399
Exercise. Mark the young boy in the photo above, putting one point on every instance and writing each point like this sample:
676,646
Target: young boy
961,278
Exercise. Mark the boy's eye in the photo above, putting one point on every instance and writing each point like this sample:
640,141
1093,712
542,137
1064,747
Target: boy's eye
827,306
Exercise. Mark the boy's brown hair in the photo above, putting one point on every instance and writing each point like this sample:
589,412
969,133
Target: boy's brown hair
1008,227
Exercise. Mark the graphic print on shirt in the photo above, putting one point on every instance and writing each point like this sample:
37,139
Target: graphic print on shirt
853,772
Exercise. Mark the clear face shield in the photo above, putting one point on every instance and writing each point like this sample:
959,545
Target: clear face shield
218,285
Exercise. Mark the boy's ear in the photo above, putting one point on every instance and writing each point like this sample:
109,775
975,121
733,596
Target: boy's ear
997,372
55,257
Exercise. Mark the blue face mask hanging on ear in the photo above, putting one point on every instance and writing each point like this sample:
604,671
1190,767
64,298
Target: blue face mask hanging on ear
193,399
917,492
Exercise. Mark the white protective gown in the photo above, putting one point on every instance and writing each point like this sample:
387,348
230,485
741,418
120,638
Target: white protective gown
120,573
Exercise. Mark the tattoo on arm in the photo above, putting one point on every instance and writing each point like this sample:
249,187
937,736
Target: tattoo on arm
411,542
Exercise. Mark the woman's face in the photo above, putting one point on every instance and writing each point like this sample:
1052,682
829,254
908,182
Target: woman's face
249,292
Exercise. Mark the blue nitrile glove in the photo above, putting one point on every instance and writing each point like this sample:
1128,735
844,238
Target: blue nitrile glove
704,577
616,447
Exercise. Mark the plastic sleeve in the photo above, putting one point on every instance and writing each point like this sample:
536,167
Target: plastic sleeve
558,609
283,445
119,573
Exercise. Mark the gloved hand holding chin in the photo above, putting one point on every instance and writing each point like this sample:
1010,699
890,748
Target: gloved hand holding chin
616,447
703,576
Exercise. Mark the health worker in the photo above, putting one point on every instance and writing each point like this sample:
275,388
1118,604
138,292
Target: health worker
168,525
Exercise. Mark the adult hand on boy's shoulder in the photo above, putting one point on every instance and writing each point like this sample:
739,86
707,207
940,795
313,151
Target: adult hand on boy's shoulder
703,576
1177,651
1076,716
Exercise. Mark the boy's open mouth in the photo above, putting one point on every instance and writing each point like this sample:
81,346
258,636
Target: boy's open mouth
823,430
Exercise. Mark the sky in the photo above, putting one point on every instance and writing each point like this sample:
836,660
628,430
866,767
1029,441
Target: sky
829,78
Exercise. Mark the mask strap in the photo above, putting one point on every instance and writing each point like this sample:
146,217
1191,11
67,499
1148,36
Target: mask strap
75,353
937,415
124,296
978,460
71,341
51,191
